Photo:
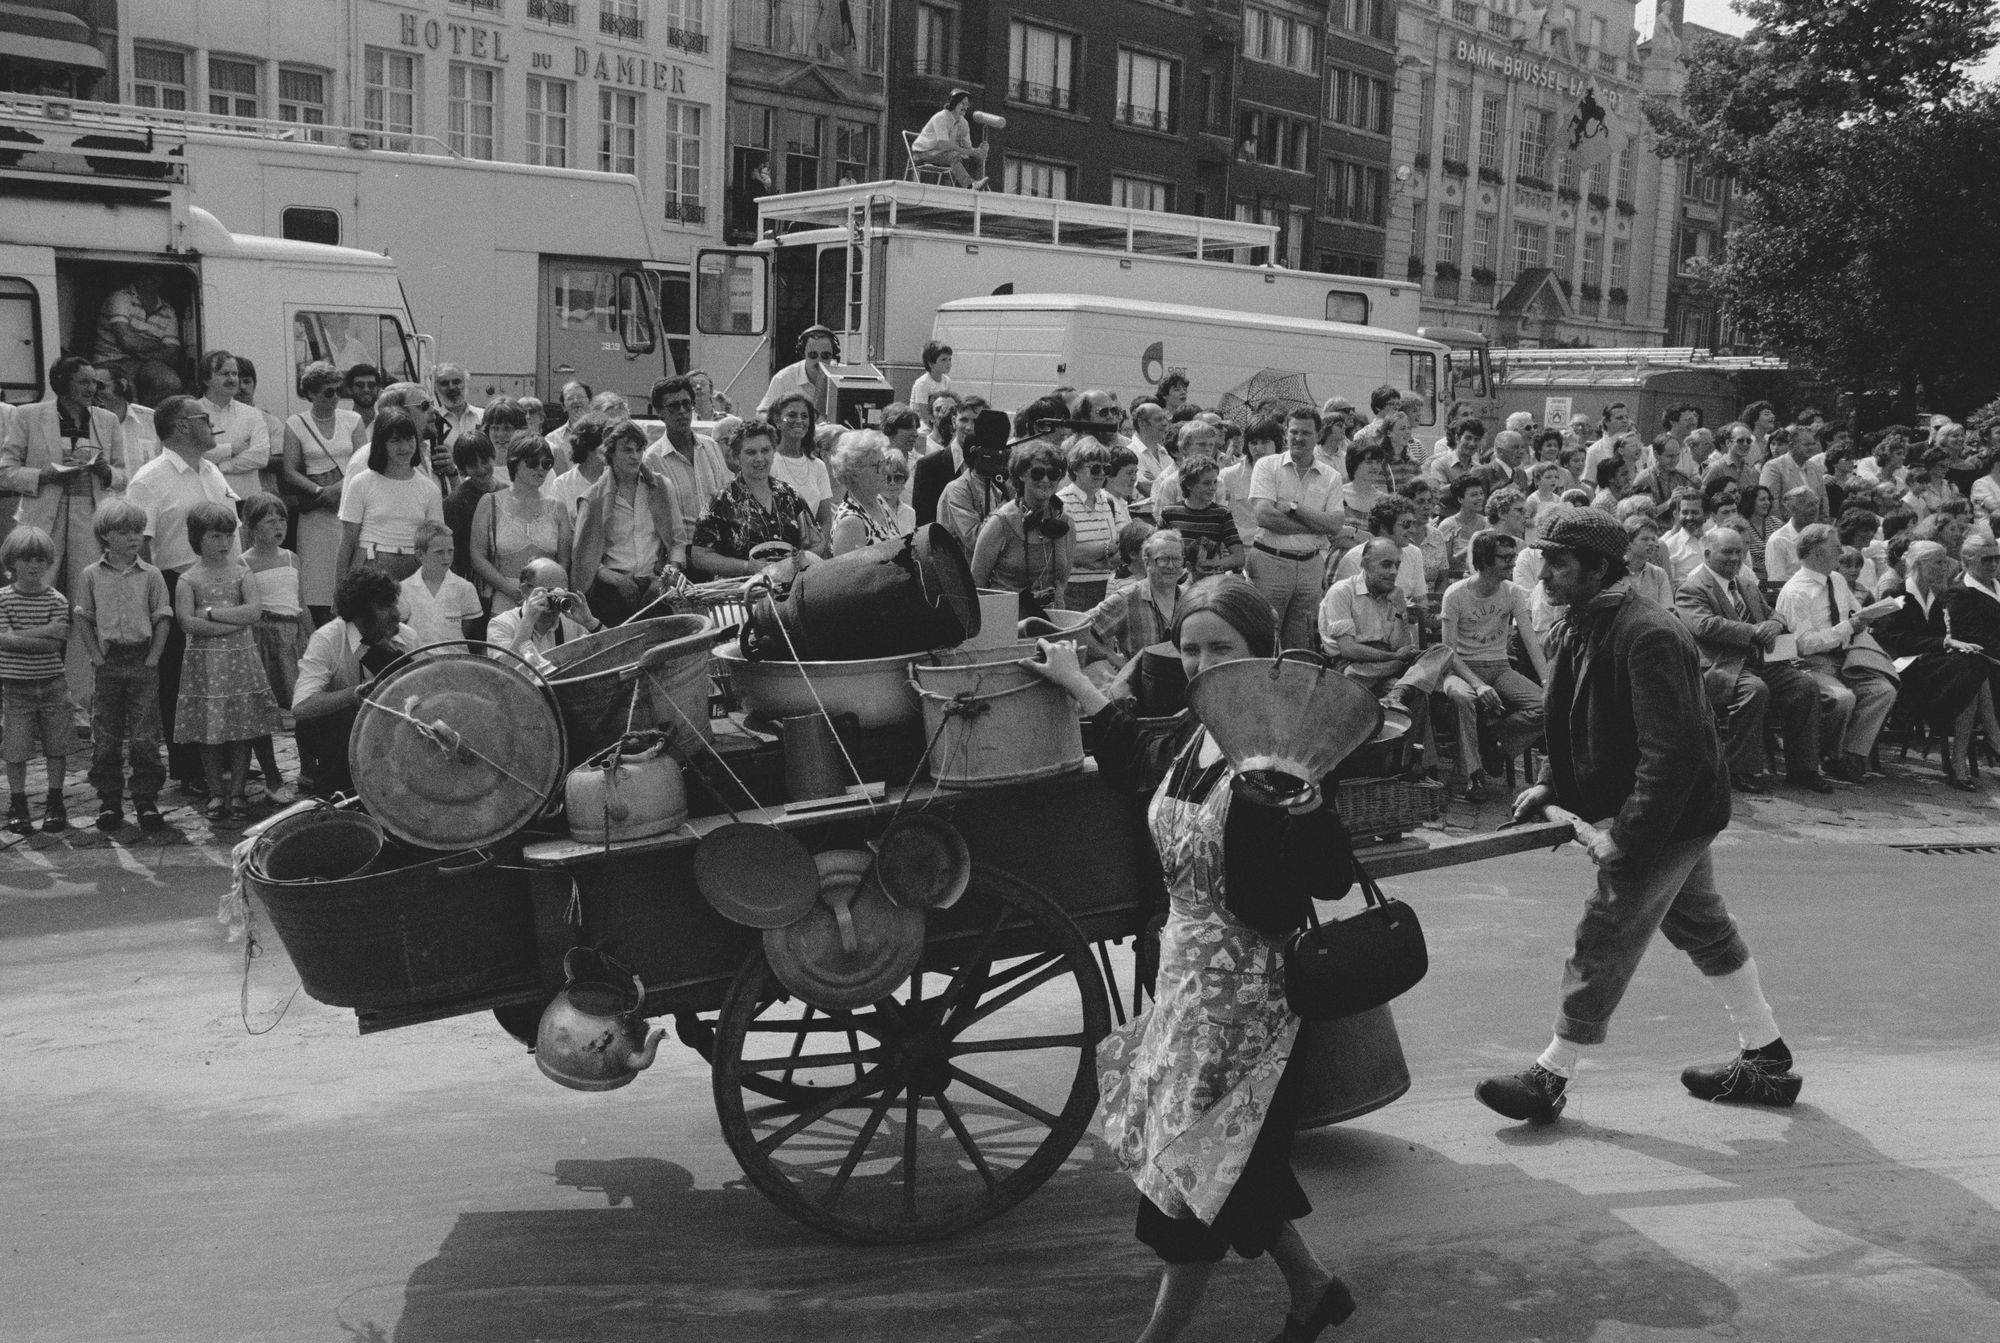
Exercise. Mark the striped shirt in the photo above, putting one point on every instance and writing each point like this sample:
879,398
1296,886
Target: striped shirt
25,611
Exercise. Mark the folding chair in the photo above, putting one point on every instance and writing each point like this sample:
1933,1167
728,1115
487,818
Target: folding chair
921,172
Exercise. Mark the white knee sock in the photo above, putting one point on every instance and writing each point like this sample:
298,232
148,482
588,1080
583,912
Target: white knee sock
1562,1057
1743,997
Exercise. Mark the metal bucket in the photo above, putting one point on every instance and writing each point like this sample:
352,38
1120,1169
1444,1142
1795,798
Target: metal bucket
319,844
1352,1065
594,677
991,723
437,926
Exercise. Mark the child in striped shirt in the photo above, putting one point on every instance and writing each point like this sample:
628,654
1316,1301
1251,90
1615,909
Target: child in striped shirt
34,631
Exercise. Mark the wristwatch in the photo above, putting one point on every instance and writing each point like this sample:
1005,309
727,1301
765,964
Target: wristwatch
208,613
1291,507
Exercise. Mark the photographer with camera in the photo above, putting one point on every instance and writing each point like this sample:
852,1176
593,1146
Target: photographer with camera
549,615
341,661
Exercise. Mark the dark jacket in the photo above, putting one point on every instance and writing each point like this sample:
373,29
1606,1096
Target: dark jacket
1975,617
1630,732
927,481
1274,864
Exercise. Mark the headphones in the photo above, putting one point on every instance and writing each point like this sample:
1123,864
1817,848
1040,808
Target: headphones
1051,523
814,332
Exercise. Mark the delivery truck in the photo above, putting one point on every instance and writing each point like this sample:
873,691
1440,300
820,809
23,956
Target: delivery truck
1013,348
94,225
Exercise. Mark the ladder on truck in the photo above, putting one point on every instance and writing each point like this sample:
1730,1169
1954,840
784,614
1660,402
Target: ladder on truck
57,149
1635,358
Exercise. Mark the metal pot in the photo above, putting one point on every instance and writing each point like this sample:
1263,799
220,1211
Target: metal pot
875,690
592,1037
634,790
1385,754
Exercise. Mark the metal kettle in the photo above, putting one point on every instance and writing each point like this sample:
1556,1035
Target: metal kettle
632,790
592,1037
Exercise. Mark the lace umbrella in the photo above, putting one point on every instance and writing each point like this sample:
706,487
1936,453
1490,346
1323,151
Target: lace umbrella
1267,392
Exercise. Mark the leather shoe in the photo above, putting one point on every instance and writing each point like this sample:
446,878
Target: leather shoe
1754,784
1335,1304
1745,1078
1958,779
1845,770
1534,1094
1815,782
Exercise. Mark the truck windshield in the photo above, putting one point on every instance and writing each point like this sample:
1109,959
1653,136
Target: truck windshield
345,339
1417,370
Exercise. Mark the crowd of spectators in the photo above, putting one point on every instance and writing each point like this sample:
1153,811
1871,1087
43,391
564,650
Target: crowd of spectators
1834,584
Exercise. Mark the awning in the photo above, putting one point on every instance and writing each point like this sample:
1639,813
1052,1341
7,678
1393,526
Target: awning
39,33
50,51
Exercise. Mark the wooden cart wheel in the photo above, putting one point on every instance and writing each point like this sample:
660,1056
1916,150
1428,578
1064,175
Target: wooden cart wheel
940,1106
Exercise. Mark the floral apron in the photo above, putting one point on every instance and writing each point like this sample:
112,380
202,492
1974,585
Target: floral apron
1186,1086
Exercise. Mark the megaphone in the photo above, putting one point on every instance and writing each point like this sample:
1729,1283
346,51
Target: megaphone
998,123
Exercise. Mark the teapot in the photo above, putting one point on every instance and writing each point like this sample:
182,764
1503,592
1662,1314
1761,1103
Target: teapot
592,1037
634,790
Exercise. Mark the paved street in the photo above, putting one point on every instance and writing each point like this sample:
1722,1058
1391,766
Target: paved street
171,1177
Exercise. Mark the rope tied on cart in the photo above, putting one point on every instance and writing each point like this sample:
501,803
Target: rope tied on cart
450,740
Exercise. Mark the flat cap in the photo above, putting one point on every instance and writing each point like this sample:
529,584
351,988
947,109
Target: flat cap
1590,531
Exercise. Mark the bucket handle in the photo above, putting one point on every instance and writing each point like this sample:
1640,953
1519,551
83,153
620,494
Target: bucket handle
481,860
1318,660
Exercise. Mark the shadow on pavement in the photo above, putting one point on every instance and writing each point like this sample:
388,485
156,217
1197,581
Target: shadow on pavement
1410,1229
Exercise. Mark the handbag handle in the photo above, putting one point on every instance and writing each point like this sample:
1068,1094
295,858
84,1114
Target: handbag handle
1370,892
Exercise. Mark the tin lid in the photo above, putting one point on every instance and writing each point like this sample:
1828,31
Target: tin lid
455,751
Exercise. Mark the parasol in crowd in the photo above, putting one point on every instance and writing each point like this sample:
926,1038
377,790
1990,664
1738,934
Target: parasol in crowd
1267,392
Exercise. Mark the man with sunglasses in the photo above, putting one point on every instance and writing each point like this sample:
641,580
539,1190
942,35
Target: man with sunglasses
693,462
818,349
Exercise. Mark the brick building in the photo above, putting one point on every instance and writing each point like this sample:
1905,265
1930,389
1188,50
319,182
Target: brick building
1223,108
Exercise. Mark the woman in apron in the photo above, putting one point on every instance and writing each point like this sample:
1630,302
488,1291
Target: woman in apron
318,443
1200,1094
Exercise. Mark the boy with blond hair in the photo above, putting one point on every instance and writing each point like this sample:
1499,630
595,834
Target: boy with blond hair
123,614
34,631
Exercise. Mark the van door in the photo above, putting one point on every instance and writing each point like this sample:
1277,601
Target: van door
731,316
20,341
599,324
1417,371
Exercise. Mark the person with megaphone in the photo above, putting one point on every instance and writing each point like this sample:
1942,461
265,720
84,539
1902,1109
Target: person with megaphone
946,140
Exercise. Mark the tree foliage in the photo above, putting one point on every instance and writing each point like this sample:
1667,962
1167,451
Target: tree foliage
1870,241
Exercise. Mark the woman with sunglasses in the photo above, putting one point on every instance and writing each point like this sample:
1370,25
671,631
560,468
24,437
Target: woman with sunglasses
798,463
861,469
520,523
896,479
1201,1093
1096,515
1025,546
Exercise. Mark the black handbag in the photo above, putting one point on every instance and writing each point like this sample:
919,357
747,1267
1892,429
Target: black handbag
1351,965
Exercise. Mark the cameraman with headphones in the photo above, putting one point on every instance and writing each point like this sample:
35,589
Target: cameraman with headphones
818,347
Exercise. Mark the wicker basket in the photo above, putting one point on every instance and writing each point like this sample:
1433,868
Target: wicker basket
1388,806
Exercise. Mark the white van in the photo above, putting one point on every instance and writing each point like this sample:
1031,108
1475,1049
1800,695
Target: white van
1013,348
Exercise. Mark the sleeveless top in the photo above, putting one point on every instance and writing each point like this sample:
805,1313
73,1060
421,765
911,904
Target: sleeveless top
876,531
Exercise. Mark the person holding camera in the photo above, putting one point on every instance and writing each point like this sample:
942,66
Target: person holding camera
341,661
549,616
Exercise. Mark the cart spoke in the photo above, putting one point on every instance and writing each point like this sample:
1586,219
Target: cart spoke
910,1154
805,1026
976,963
957,1122
1020,1042
1005,1097
1050,969
805,1119
807,1063
861,1141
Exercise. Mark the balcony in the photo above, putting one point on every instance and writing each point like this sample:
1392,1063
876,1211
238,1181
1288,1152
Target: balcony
1465,12
623,26
686,212
1060,97
1160,119
559,13
682,39
1607,63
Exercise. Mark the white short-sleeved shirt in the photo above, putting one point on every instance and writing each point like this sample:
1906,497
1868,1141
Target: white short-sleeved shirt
807,476
436,617
1409,575
1278,481
390,511
1477,626
167,488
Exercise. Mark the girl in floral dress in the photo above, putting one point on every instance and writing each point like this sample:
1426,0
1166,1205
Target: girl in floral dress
225,700
1200,1095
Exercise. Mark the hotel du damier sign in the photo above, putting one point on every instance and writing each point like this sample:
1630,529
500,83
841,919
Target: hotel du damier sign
1513,65
484,44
